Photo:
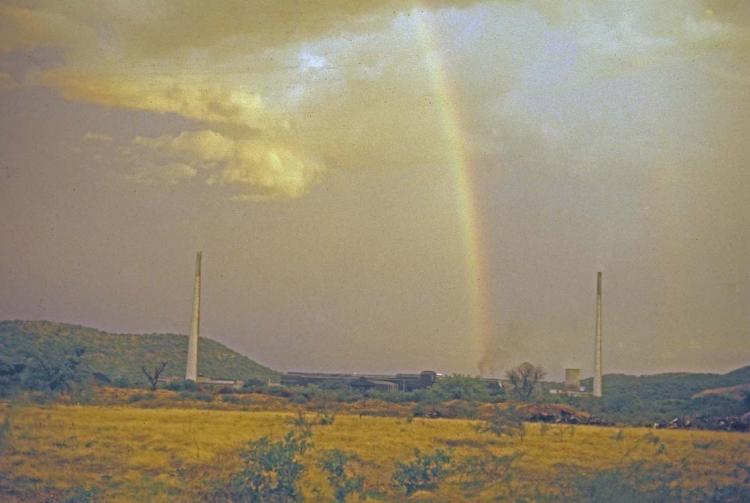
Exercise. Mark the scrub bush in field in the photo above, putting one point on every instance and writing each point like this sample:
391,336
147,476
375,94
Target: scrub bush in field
425,471
336,464
507,422
81,495
489,468
636,482
270,472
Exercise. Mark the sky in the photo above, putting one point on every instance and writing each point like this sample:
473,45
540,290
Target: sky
385,186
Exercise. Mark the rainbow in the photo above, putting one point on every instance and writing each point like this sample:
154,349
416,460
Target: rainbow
480,314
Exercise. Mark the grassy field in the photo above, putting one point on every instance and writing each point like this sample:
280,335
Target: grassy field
135,454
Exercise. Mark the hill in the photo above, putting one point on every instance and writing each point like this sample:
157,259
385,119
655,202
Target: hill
657,397
120,356
673,385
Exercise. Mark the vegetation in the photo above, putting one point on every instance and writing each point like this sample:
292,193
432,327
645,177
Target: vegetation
336,465
270,471
635,400
120,356
644,400
153,376
57,367
424,472
131,454
457,387
506,422
525,380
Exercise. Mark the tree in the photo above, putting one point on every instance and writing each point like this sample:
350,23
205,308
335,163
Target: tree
524,380
10,377
459,387
56,368
153,377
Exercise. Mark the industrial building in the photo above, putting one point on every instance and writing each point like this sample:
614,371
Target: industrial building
364,382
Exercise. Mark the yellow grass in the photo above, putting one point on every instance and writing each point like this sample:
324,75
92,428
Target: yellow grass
135,454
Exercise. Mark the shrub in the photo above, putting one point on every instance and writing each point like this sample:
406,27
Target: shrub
270,472
508,422
458,408
425,471
336,464
121,382
81,495
185,385
489,468
326,417
458,387
637,482
253,384
202,397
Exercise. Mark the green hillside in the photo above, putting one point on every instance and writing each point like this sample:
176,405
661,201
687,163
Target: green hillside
121,355
674,385
647,398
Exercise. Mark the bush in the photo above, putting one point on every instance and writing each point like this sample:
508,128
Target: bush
199,396
638,482
253,384
121,382
458,387
326,417
81,495
426,471
185,385
336,464
270,472
508,422
489,468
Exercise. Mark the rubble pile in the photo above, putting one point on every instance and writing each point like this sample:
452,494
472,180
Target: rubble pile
728,423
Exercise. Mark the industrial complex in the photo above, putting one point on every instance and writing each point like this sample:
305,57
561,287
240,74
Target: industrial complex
395,382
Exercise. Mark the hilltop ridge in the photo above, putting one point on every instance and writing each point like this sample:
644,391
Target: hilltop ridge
120,356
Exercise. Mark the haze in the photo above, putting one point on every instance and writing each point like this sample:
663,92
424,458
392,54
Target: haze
385,186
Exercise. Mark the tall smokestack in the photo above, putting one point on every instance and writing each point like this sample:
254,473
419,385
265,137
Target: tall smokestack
191,372
598,343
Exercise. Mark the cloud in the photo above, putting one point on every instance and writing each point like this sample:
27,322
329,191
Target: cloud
198,100
97,137
269,172
258,170
282,92
6,81
206,145
166,174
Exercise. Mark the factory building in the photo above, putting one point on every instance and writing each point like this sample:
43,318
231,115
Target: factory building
363,382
